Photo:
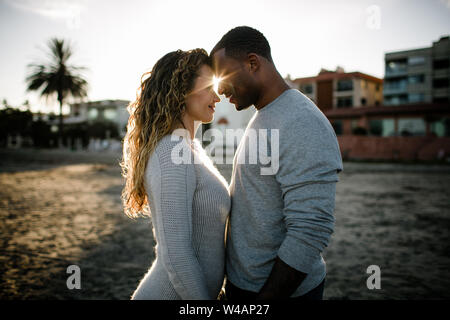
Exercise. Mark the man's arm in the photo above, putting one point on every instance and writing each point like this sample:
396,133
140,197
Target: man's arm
282,282
308,166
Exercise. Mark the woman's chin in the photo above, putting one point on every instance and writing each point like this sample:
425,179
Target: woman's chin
208,120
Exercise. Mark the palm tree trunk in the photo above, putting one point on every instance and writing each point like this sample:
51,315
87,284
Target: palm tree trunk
61,124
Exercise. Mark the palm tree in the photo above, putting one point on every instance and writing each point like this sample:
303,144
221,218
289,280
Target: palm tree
57,77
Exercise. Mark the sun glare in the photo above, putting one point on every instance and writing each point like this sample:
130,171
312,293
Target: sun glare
216,82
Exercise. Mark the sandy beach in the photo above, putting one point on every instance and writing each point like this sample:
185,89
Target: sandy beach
62,208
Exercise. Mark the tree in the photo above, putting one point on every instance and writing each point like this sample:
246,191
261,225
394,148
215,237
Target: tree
57,77
13,121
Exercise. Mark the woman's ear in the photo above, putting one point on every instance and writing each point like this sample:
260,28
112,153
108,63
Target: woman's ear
254,62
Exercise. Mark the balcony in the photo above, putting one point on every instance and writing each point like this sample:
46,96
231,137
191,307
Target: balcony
397,72
395,87
396,68
395,100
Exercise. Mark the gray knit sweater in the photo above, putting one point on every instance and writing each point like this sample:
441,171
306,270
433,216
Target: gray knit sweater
283,207
189,203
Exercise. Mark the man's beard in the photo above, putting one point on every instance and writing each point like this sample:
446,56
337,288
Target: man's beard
240,108
243,105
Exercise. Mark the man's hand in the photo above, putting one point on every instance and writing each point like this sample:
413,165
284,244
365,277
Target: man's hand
282,282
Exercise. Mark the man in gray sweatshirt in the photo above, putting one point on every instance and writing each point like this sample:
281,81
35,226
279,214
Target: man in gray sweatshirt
284,178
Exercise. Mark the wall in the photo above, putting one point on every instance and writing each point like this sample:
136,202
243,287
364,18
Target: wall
394,148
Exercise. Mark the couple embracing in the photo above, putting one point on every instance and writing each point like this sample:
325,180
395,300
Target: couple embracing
263,233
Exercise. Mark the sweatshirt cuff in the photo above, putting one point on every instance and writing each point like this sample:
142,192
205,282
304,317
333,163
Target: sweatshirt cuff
298,254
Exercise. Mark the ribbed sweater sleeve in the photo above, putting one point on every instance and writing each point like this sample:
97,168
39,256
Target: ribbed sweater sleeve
307,175
177,183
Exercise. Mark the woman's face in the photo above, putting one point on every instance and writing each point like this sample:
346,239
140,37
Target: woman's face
201,102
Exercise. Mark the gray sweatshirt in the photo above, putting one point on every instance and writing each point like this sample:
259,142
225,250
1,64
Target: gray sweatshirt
189,204
282,193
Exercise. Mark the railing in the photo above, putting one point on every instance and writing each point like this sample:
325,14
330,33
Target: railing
396,72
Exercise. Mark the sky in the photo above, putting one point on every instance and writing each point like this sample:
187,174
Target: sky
117,41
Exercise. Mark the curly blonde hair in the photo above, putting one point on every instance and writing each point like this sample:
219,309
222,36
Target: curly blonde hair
156,112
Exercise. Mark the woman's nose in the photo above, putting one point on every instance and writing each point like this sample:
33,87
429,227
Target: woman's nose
216,98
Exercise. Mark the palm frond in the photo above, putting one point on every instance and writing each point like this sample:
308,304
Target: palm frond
60,51
57,77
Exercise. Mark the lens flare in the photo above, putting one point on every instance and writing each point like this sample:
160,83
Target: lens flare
216,82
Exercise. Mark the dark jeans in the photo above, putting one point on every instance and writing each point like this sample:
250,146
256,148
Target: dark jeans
234,293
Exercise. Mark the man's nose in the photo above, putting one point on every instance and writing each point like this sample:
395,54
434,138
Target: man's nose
216,98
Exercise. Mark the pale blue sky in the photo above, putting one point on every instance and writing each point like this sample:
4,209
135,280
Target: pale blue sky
119,40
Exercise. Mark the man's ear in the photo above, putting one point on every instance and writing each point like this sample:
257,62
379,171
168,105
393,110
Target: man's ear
253,62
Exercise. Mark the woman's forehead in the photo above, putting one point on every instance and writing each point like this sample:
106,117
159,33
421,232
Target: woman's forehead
205,72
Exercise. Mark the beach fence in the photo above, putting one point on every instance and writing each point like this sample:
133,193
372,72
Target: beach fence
96,145
75,144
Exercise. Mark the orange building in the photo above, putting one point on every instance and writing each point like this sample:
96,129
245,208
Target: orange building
368,129
341,90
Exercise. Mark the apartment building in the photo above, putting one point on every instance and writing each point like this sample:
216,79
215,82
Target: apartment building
418,76
338,89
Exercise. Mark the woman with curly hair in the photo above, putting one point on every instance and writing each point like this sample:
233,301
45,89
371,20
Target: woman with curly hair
170,177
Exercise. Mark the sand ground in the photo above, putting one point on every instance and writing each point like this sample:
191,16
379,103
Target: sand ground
62,208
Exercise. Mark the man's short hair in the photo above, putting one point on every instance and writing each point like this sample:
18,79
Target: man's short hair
240,41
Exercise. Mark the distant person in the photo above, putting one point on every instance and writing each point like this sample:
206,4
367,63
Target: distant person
280,222
168,172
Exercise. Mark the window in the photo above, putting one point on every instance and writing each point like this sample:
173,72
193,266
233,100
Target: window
337,126
363,101
441,64
377,87
306,88
382,127
92,114
416,60
345,85
411,127
395,99
344,102
416,97
417,78
396,66
399,84
440,99
110,114
440,83
441,127
75,111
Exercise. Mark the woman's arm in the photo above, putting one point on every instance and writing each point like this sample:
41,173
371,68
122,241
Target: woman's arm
177,185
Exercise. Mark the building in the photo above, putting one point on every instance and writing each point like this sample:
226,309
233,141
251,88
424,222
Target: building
418,76
404,117
339,89
104,110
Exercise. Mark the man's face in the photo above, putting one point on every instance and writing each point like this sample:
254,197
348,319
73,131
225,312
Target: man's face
236,81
